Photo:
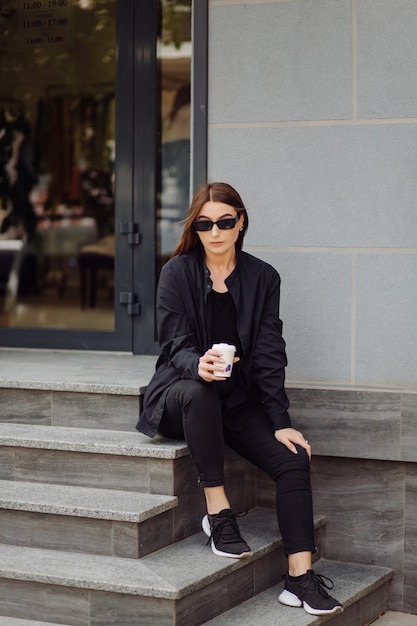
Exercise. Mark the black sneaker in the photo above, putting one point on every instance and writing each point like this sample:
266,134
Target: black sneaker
223,533
310,593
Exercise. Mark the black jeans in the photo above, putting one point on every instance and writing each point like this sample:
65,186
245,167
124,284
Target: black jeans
193,412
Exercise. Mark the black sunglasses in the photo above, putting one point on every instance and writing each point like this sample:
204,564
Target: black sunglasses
226,224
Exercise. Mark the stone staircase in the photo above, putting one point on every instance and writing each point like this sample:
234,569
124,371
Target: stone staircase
100,526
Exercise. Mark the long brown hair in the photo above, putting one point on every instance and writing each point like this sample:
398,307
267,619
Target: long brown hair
210,192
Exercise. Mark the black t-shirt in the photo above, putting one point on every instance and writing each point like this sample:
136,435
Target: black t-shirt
224,330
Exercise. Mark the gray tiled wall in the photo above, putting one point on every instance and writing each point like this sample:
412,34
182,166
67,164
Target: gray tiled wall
387,50
352,423
364,476
314,119
299,70
410,548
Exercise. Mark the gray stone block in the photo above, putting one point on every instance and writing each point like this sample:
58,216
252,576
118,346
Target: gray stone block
314,315
55,603
77,519
386,43
364,505
300,69
386,302
351,423
409,427
88,470
7,456
25,406
410,547
94,410
327,181
110,609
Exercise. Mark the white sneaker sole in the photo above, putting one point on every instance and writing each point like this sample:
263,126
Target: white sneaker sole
206,527
290,599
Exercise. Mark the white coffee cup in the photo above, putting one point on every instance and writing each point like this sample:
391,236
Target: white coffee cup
228,353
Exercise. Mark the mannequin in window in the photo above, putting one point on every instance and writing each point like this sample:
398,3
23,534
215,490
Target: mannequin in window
17,173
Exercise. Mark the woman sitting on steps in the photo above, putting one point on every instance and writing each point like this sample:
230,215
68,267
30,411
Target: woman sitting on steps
210,292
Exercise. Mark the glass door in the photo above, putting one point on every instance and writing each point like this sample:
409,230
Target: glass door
66,111
57,164
95,150
165,141
174,125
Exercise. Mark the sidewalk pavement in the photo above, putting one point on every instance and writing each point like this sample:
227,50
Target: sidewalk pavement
394,618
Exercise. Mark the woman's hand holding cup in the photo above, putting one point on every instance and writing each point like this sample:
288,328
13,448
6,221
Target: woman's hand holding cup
217,362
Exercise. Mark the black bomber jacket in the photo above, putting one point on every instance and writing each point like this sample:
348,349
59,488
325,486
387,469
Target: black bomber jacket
183,333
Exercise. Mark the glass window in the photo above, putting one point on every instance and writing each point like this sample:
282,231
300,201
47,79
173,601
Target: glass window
57,147
173,171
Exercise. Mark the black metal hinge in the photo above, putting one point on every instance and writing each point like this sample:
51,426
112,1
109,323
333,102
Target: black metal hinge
131,300
131,229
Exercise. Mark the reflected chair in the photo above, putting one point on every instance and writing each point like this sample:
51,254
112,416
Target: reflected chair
91,259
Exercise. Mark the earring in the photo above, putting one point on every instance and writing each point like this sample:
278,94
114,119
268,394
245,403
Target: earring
241,228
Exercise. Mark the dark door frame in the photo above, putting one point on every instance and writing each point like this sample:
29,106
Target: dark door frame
144,340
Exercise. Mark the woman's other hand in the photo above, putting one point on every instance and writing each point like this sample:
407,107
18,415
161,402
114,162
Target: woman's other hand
289,436
210,361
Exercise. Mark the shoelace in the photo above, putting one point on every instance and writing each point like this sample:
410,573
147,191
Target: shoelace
319,582
226,529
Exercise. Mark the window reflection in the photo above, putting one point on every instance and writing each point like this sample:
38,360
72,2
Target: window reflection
174,62
57,146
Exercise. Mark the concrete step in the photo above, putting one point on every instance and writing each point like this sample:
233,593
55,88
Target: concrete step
106,459
125,461
74,370
82,519
13,621
183,584
70,388
98,441
396,618
88,457
362,589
